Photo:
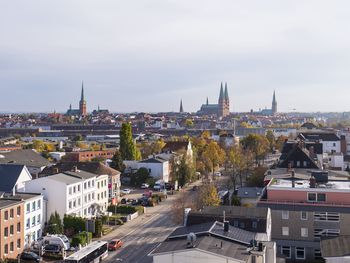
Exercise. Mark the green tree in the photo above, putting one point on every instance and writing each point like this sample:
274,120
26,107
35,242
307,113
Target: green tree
127,146
257,177
73,224
139,177
54,225
117,161
271,138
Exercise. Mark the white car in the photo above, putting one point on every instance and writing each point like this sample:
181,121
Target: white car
217,174
144,186
126,191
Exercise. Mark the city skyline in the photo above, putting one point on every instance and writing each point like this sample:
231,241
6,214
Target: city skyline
131,55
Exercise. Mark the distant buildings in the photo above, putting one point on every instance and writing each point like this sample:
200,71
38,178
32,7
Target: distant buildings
273,110
222,109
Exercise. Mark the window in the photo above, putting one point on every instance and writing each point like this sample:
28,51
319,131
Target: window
255,224
18,243
98,185
70,190
98,197
33,206
28,208
85,185
285,214
38,234
38,219
89,184
241,225
12,230
28,223
300,253
33,221
70,204
6,232
74,189
285,251
11,247
235,223
316,197
79,201
298,163
285,231
318,254
305,163
39,204
326,216
303,215
18,210
18,227
12,212
74,204
304,232
6,249
319,232
78,187
6,215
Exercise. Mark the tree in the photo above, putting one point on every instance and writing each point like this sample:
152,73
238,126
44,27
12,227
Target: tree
213,156
182,171
117,161
183,201
271,138
54,225
127,146
189,123
73,224
257,144
208,196
140,177
257,177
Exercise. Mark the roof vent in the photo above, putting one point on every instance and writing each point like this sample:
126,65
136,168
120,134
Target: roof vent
191,239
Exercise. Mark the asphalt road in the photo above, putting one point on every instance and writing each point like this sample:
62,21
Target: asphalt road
143,234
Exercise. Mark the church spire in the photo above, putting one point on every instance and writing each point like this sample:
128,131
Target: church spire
221,97
181,107
226,92
207,101
82,91
274,103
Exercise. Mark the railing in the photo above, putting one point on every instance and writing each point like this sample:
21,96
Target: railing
301,203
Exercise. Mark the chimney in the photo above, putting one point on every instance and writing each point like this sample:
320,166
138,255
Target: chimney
75,169
293,179
260,247
312,182
226,226
55,170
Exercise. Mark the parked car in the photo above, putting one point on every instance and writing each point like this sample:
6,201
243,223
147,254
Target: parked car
169,186
135,202
194,188
27,256
124,201
126,191
52,248
144,186
115,244
217,174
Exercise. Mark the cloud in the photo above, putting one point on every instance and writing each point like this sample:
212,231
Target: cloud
147,55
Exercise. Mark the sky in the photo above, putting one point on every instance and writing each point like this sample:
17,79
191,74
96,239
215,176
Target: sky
147,55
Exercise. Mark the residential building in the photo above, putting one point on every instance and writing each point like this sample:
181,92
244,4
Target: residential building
13,177
11,228
157,167
34,162
214,242
330,141
304,211
33,204
76,192
249,195
336,249
97,168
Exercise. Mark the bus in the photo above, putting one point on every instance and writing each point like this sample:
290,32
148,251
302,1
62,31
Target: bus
94,252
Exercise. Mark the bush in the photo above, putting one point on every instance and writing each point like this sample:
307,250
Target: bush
81,238
122,209
73,224
98,228
235,201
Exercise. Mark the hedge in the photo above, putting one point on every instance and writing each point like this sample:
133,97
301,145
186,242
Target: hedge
80,238
73,224
122,209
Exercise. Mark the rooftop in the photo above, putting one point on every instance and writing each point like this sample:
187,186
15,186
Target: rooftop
305,184
7,203
63,178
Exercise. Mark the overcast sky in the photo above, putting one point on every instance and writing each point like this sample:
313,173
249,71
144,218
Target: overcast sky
147,55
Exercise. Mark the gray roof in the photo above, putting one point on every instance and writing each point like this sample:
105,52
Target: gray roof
249,192
153,160
237,211
6,203
336,247
63,178
80,174
27,157
210,244
21,196
9,174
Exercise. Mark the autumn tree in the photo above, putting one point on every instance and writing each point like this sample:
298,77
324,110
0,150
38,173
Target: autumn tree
127,146
271,138
207,196
257,144
213,156
184,200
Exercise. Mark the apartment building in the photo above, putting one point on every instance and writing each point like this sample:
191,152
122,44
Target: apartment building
76,192
33,215
304,211
11,228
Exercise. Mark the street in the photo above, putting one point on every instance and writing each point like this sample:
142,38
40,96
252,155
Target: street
143,234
